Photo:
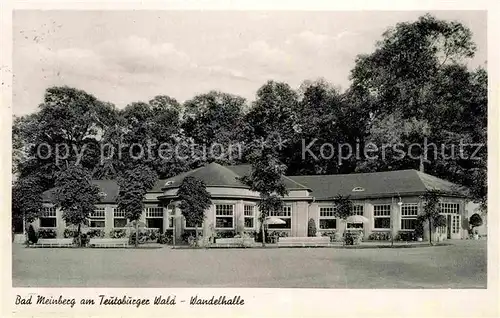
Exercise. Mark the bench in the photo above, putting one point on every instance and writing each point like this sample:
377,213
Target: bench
66,242
235,241
304,241
108,242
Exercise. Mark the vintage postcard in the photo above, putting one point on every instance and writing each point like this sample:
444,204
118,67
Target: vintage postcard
249,159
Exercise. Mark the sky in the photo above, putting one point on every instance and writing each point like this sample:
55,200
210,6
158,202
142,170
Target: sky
128,56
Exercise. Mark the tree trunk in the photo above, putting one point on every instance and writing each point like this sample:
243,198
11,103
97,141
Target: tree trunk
430,231
79,235
262,228
25,228
136,233
345,232
196,235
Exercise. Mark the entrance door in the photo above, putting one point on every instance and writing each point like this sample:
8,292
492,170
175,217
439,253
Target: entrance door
448,226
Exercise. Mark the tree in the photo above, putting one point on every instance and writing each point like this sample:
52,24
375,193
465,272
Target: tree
266,177
343,208
272,116
406,61
431,211
133,186
215,118
65,130
76,196
194,201
147,134
32,237
416,85
311,228
316,121
27,199
475,220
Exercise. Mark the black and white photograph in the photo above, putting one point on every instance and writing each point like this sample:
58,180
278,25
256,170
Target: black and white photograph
249,149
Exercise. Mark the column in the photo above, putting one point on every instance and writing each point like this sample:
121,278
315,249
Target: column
239,216
178,222
165,219
207,222
108,219
395,218
61,225
302,218
368,227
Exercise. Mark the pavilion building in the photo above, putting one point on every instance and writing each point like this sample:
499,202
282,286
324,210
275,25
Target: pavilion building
391,201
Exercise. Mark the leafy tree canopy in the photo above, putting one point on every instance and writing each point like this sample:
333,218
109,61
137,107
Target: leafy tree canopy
75,194
194,200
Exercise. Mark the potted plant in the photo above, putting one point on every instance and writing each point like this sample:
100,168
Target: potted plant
474,221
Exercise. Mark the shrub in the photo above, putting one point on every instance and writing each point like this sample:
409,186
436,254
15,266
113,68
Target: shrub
95,233
380,236
81,240
258,236
475,220
47,233
279,233
311,228
187,233
152,234
351,237
32,237
406,236
70,233
142,238
166,238
331,234
225,234
117,233
250,234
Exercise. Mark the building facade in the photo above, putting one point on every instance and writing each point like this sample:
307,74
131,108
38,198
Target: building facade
389,200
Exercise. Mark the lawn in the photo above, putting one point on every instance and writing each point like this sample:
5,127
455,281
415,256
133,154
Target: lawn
460,265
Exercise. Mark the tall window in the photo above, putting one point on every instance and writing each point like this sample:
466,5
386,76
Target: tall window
356,210
455,226
154,217
382,217
286,215
409,212
119,219
327,220
249,215
449,208
48,217
224,216
97,219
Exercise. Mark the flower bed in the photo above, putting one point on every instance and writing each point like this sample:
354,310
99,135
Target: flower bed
117,233
406,236
46,233
332,234
69,233
95,233
380,236
167,237
279,233
225,234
